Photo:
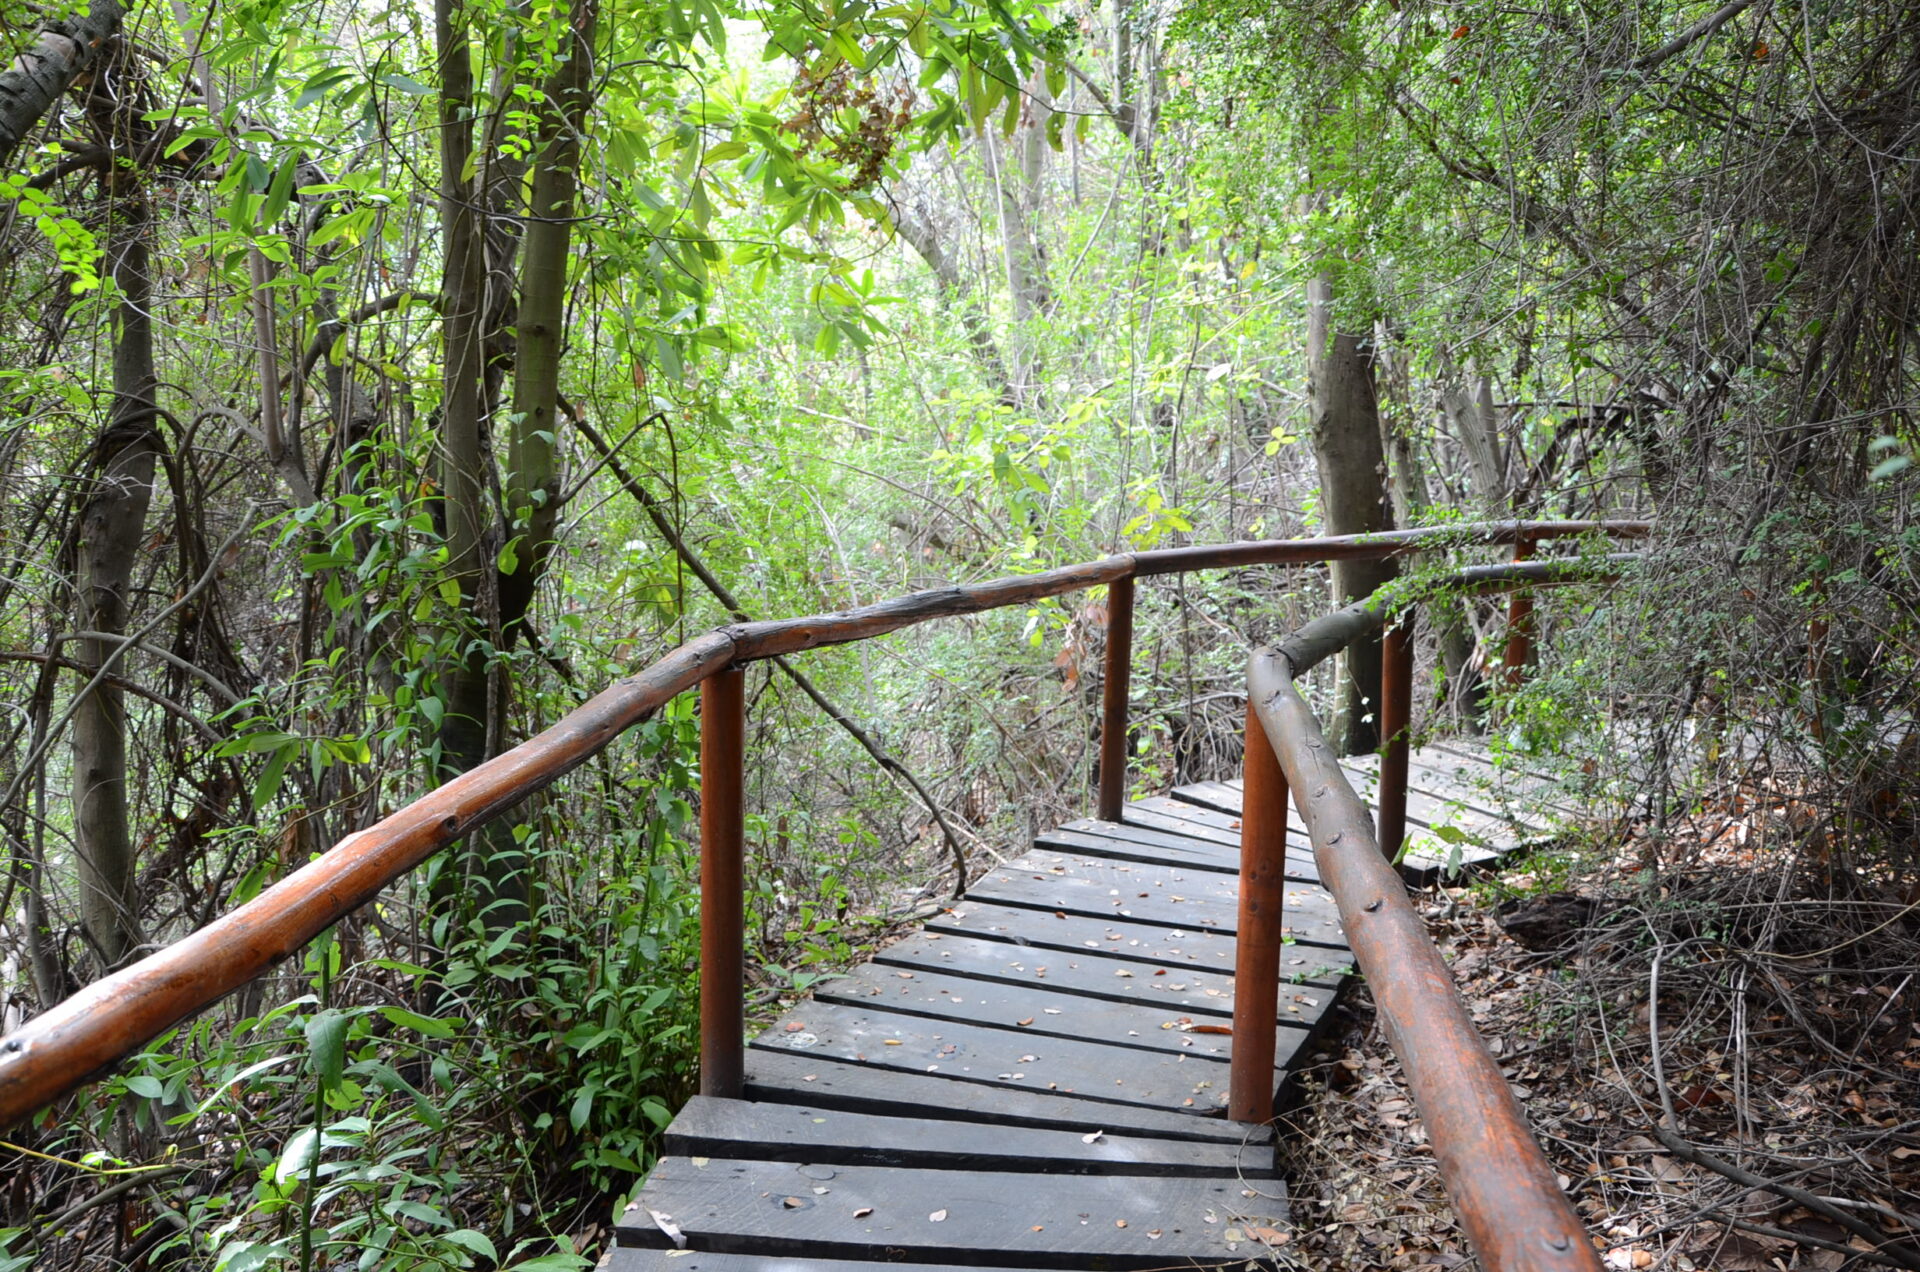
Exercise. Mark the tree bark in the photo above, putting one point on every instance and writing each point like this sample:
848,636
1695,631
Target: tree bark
37,78
1353,494
532,484
472,700
112,522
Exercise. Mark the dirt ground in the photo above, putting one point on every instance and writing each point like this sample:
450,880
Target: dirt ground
1714,1038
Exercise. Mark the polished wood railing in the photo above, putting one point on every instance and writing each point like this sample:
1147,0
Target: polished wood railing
74,1041
1502,1187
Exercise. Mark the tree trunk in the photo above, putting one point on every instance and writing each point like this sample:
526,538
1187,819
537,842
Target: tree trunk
30,87
472,703
1353,494
112,523
532,485
1466,688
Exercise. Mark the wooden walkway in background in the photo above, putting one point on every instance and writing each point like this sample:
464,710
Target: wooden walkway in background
1036,1078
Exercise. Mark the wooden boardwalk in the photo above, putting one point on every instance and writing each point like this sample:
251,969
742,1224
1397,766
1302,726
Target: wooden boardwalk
1036,1079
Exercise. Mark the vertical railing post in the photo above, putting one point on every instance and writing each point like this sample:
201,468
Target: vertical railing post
1113,717
1519,621
1263,891
1396,717
723,719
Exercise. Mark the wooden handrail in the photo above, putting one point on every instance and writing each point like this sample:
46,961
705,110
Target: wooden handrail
70,1043
1506,1194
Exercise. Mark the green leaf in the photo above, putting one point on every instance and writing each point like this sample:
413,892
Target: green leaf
146,1086
268,784
431,1026
279,192
406,84
297,1157
319,84
327,1046
468,1239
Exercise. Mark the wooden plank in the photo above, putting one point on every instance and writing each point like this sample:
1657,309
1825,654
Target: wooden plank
1155,817
969,1217
1047,1011
1434,776
1160,943
708,1127
1128,878
1138,843
1311,915
1006,1057
629,1259
1513,770
1183,986
796,1077
1489,835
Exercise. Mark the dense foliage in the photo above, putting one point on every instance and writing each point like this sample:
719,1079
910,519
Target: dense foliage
378,382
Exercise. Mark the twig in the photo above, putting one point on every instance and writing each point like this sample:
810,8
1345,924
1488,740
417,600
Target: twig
1807,1239
1898,1256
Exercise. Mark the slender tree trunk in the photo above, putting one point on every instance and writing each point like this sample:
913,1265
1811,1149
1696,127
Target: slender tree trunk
112,524
532,486
472,702
1353,493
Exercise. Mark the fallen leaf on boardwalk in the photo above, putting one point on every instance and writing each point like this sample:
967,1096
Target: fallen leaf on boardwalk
1051,1011
666,1224
795,1026
1091,1137
1119,1223
937,1216
1153,1234
1024,1023
1272,1236
792,1203
1210,1029
863,1212
1121,971
893,1042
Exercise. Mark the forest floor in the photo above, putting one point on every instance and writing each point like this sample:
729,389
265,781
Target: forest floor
1714,1038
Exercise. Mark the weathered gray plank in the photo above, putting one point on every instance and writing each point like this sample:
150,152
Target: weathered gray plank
803,1078
1320,930
708,1127
629,1259
1123,842
970,1217
1173,983
1310,911
1044,1010
1005,1056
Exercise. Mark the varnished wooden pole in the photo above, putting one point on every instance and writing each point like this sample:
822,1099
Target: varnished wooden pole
1519,621
723,718
1113,718
1396,715
1256,966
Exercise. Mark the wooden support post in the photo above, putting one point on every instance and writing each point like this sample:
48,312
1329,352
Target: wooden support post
1519,621
723,720
1113,719
1256,967
1396,716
